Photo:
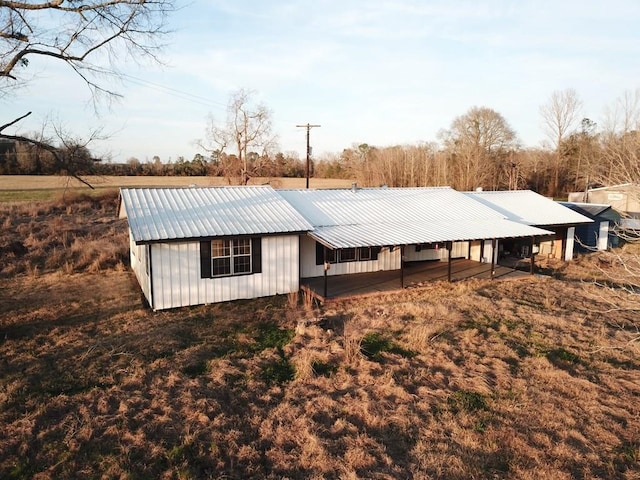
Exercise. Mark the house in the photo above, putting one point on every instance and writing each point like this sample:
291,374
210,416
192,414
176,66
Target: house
529,208
599,234
192,246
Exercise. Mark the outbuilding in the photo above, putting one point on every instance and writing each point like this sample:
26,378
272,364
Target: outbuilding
599,234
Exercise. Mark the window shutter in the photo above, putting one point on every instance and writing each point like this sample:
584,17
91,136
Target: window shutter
319,254
256,254
205,259
375,251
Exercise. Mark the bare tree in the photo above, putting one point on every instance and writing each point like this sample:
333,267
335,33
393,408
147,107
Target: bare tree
559,116
247,130
478,142
91,37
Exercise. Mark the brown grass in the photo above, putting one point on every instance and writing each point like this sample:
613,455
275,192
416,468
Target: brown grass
36,182
536,378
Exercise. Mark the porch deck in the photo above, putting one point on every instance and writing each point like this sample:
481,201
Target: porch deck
415,273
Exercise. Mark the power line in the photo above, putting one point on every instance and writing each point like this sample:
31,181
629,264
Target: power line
308,126
174,92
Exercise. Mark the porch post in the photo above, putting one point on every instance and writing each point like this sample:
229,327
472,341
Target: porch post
401,267
533,255
449,248
324,262
493,257
481,250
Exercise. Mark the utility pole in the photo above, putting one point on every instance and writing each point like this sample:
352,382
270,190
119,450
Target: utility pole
308,127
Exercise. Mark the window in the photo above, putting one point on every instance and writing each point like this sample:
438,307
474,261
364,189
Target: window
361,254
225,257
364,253
348,255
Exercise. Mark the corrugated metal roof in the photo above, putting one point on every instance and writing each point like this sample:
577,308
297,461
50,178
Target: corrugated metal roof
594,209
529,208
157,214
385,234
398,216
381,205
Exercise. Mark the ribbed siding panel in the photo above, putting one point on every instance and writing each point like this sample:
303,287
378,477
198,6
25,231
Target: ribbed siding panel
177,282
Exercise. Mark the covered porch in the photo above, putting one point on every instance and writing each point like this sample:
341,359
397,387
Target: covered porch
412,274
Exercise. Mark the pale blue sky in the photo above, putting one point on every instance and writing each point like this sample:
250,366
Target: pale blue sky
381,72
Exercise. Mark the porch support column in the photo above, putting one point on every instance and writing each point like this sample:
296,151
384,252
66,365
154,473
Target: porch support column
401,267
481,251
493,257
324,262
533,255
449,248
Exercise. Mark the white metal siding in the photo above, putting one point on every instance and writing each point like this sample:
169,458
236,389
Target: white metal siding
387,260
475,251
138,257
568,248
603,235
177,282
458,250
411,255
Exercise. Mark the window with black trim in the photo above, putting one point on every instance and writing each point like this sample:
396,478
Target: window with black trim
343,255
226,257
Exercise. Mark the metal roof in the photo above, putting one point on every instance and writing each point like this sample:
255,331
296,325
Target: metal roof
158,214
594,209
529,208
397,216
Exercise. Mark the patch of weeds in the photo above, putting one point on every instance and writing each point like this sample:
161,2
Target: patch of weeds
562,358
622,364
196,369
514,364
483,325
480,426
269,335
374,344
627,455
277,372
235,379
19,471
519,349
467,400
324,369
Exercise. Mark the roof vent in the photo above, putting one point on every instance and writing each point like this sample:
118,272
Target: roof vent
478,189
354,187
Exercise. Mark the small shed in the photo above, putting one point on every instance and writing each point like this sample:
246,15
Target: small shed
600,234
530,208
192,246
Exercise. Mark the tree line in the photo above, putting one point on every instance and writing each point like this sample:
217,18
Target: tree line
478,150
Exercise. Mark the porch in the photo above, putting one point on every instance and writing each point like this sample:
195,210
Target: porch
413,274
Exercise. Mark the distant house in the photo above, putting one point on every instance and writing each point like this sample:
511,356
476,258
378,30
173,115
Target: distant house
530,208
194,246
599,234
623,198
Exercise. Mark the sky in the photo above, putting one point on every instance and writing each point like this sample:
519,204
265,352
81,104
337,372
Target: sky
382,72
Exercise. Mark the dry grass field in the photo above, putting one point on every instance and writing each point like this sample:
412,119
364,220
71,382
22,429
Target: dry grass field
528,379
47,187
